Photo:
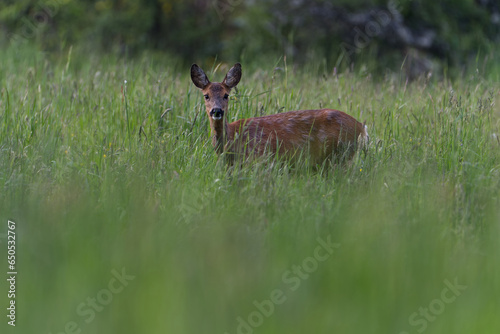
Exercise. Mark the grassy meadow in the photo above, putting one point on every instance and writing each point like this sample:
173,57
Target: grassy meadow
127,222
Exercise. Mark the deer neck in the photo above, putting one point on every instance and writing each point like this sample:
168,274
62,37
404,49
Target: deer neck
220,134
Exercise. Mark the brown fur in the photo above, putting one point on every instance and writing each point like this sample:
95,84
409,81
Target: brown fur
321,134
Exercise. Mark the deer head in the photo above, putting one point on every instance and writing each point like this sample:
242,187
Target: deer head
216,93
216,100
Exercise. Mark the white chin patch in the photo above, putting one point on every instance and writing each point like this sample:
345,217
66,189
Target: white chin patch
216,118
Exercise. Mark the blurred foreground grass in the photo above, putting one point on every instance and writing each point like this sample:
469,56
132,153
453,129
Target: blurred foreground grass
127,222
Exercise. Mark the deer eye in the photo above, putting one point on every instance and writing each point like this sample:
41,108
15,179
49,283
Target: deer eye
206,97
226,96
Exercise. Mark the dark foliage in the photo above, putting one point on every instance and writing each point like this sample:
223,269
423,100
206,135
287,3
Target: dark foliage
339,32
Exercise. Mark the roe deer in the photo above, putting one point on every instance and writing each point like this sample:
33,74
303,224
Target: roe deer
318,134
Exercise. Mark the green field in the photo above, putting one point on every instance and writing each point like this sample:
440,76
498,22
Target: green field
127,222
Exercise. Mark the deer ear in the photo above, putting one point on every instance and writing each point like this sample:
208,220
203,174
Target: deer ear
199,77
233,76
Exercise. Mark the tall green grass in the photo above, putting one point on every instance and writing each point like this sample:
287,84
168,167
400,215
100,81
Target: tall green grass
106,164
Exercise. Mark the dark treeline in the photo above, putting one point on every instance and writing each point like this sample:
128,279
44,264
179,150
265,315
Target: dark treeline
422,33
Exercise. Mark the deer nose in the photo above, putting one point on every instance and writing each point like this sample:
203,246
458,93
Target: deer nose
217,114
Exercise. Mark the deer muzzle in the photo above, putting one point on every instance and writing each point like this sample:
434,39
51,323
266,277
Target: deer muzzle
217,114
